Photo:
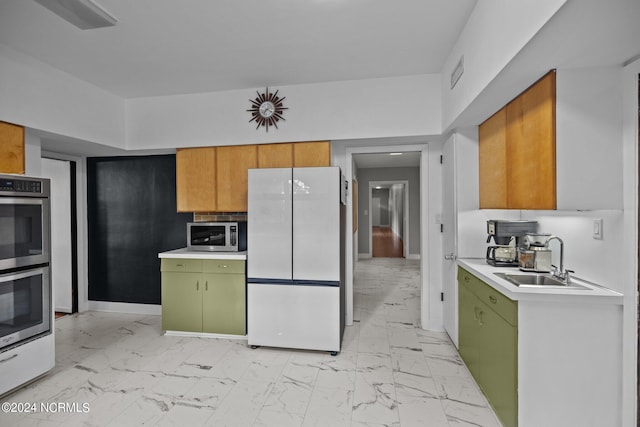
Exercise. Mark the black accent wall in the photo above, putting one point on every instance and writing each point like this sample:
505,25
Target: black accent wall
131,218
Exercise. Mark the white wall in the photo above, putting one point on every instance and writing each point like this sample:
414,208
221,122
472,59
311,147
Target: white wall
32,150
38,96
589,138
487,49
388,107
396,203
431,248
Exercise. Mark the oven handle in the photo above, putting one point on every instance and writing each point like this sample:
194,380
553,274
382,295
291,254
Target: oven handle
9,358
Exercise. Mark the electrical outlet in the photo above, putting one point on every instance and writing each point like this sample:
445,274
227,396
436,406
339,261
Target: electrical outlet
597,228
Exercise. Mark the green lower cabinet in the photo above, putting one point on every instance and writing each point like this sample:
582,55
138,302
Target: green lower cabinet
469,330
488,343
181,301
223,304
204,296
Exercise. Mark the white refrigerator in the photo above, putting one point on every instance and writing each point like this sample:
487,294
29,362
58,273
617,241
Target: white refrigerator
295,258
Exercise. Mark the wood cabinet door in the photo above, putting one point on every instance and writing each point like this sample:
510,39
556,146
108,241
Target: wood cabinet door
275,155
196,179
11,148
531,147
311,154
232,165
182,301
493,161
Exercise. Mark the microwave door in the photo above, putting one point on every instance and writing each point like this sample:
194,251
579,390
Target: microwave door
217,239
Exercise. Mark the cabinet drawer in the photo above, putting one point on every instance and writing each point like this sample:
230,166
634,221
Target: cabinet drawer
223,266
171,264
503,306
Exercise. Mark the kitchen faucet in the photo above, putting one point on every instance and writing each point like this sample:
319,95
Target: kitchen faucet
559,271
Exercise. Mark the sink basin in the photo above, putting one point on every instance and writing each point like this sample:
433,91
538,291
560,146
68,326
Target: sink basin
538,281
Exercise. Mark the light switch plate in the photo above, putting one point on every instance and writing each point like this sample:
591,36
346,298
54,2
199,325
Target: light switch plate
597,228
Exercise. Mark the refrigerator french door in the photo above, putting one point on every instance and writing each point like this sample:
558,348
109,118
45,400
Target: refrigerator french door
294,260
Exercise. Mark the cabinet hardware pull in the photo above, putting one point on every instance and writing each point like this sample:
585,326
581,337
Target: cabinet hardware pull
197,285
222,266
467,279
493,299
476,316
206,285
481,318
179,265
9,358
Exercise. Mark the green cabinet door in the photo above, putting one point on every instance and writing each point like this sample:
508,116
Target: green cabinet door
498,359
224,304
468,329
488,343
181,301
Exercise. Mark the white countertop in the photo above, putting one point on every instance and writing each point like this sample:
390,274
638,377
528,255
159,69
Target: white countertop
593,294
188,254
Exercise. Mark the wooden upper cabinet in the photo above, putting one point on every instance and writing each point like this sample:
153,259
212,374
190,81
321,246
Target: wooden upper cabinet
214,179
531,152
11,148
517,147
196,179
310,154
275,155
232,165
493,161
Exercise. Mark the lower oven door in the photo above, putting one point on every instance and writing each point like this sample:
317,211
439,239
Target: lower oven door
25,305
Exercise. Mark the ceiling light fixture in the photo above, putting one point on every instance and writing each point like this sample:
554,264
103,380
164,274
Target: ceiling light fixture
84,14
395,154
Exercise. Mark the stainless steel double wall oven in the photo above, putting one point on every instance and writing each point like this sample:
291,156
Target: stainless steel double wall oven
25,283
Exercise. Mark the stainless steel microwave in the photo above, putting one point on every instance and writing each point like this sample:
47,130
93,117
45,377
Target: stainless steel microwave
217,236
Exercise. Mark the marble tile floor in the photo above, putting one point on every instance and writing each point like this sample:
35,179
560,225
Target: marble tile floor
119,370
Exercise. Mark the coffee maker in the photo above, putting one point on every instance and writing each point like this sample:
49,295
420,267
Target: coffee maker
508,235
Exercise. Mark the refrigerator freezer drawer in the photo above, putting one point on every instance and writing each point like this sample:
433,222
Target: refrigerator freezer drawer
294,316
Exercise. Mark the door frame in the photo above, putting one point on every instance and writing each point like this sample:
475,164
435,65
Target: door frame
631,176
430,310
79,268
405,214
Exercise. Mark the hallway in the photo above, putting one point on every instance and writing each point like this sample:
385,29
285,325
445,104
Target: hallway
385,243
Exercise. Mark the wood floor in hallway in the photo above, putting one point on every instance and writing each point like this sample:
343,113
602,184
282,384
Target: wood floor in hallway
385,243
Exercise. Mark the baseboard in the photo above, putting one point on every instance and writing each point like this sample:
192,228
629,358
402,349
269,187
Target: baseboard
368,256
205,335
125,307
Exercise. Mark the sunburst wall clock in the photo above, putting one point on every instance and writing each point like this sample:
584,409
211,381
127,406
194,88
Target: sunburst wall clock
267,109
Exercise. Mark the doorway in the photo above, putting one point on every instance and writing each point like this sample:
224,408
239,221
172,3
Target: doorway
357,242
64,248
388,219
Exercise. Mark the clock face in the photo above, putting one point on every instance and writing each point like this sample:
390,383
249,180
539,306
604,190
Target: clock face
267,109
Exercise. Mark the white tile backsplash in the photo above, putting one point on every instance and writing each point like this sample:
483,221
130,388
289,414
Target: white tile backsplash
599,261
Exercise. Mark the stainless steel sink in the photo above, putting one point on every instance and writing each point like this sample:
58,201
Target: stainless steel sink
538,281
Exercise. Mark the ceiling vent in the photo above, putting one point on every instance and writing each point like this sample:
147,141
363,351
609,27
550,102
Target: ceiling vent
457,72
84,14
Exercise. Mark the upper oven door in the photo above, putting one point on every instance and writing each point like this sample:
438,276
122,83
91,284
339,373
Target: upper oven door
24,231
